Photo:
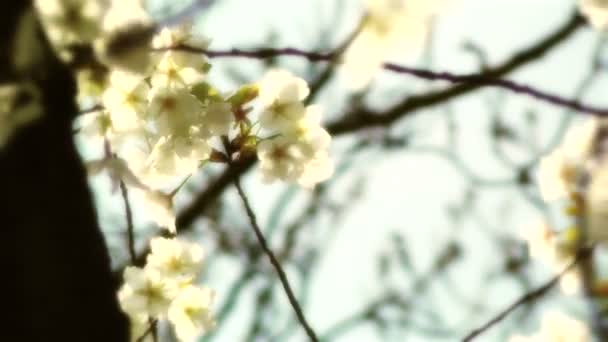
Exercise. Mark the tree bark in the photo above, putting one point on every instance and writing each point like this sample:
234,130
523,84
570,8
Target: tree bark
57,280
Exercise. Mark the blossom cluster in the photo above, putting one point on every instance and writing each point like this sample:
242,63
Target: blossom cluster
160,120
576,171
571,174
556,327
557,249
166,123
164,289
297,149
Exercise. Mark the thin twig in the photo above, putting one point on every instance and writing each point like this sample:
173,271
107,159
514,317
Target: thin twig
149,330
529,297
129,216
480,79
275,263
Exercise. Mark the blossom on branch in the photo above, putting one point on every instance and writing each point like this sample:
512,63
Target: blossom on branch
596,11
281,94
298,151
190,313
146,291
164,289
560,171
126,100
556,249
176,259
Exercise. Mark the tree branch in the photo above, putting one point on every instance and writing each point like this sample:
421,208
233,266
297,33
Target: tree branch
129,218
489,77
275,263
362,119
529,297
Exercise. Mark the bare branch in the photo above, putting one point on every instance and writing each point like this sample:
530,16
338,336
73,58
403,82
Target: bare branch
129,218
485,78
529,297
275,263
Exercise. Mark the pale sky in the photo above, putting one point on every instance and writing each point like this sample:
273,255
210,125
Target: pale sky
408,191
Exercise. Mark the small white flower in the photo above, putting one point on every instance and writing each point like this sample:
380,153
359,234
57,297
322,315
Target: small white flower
319,169
219,118
281,158
192,150
146,292
174,111
556,250
174,157
282,94
596,11
139,325
179,69
126,100
308,130
560,170
579,140
190,313
541,241
597,204
175,258
557,176
570,282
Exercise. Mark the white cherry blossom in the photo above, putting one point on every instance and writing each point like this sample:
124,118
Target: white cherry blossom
319,169
281,94
555,249
174,110
281,158
190,313
126,100
597,205
179,69
219,118
146,292
559,171
175,258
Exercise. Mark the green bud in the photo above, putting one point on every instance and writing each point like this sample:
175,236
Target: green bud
244,95
204,92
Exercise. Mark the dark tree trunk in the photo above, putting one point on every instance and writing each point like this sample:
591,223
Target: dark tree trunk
57,280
